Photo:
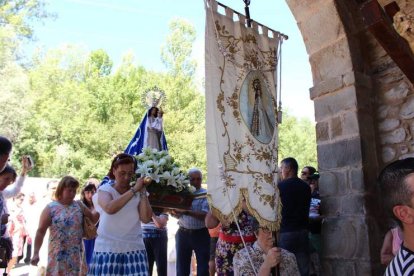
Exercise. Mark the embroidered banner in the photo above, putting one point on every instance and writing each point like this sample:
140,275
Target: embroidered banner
241,116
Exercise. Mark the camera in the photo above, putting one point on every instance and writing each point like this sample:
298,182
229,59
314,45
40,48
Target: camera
30,160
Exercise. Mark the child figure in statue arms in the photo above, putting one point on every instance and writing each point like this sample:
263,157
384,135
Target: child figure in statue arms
154,128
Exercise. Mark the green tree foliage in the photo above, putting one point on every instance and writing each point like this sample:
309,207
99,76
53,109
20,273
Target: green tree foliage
177,49
15,25
297,139
185,116
83,112
15,28
79,119
72,111
99,64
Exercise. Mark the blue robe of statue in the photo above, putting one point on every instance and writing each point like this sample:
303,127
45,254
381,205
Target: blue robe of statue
137,143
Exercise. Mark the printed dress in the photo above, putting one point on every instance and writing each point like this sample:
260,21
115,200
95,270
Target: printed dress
65,240
230,242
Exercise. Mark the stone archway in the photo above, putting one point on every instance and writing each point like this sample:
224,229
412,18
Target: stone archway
362,109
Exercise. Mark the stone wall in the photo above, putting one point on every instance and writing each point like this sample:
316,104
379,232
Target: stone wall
395,103
364,112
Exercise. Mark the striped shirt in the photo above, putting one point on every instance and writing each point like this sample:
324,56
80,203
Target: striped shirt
199,205
150,230
402,264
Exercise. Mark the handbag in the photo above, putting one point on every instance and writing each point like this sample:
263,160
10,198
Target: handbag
89,228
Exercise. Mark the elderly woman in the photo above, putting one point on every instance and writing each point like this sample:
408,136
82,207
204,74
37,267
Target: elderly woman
64,217
264,256
119,247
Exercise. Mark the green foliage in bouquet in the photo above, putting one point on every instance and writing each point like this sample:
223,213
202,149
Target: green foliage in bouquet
167,176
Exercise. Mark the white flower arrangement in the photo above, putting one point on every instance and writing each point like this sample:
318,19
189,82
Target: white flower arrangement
165,173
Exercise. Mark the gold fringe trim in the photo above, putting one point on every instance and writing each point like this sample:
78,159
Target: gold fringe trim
227,219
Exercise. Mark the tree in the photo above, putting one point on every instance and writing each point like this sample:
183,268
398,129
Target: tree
15,25
185,110
80,112
99,63
297,139
176,51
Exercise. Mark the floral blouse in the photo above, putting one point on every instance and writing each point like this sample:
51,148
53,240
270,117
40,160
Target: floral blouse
242,266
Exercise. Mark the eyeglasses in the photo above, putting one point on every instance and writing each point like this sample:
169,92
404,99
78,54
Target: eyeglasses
265,230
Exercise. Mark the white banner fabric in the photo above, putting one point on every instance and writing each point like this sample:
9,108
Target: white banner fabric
241,116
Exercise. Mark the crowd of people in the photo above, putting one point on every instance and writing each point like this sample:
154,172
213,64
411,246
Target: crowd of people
132,235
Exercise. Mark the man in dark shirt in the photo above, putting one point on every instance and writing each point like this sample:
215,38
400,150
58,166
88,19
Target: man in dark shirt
295,195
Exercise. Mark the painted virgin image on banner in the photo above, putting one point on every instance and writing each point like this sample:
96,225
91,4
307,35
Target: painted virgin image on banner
256,106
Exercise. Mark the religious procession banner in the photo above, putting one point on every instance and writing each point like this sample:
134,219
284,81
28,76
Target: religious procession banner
241,116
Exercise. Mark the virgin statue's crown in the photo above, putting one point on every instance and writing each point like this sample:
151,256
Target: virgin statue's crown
154,97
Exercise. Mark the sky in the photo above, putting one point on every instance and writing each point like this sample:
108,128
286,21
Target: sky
141,27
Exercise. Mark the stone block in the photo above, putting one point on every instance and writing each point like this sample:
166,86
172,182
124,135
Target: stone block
350,123
344,268
340,154
353,204
327,266
338,82
411,128
335,247
335,127
331,105
394,112
322,131
302,10
389,73
331,206
333,183
354,244
397,93
326,86
388,154
356,178
358,79
323,67
393,137
326,19
403,149
388,125
407,109
366,269
382,111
